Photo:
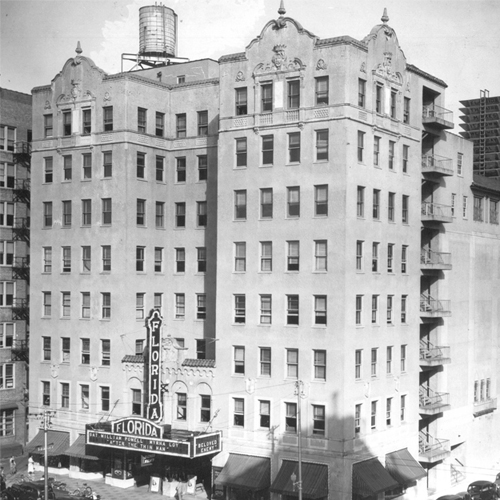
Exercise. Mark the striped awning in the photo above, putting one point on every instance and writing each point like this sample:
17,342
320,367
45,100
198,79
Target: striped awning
314,480
245,472
370,478
403,467
57,443
79,450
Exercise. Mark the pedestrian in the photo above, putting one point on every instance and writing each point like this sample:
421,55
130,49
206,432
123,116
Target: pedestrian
13,465
31,467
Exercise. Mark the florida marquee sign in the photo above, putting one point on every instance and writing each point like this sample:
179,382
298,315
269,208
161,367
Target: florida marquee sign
154,407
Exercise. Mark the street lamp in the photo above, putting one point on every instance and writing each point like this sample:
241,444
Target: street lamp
295,483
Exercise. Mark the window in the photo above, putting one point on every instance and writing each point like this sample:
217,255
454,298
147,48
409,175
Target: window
47,348
66,119
139,258
389,360
64,395
392,145
158,259
388,412
201,306
292,310
7,214
403,358
359,255
86,259
241,101
201,213
404,209
239,308
264,414
360,202
240,205
45,393
390,207
240,252
201,254
390,299
460,157
48,125
464,207
294,147
141,213
357,363
239,360
66,213
180,260
140,305
181,406
321,200
394,95
267,149
205,408
293,94
266,256
105,398
267,97
141,165
48,170
406,110
359,308
180,125
180,214
6,335
320,255
65,349
292,363
265,361
85,360
7,376
158,301
107,112
318,420
241,152
361,93
404,258
180,170
403,308
160,168
6,253
181,79
6,293
494,211
86,121
320,309
107,163
265,309
379,92
86,212
291,417
357,419
239,412
320,365
84,396
321,90
403,408
373,415
406,154
47,304
159,124
202,123
85,305
390,257
376,204
453,203
141,120
202,167
376,151
293,256
106,211
67,168
136,402
375,301
66,259
180,306
361,145
293,202
478,214
321,145
160,214
201,349
106,258
266,203
106,305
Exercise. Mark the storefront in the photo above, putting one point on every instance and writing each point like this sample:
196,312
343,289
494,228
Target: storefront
85,462
370,478
57,444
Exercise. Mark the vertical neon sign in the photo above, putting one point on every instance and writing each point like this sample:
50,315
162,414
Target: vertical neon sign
154,407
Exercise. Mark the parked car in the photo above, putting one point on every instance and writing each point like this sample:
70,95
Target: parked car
482,490
455,496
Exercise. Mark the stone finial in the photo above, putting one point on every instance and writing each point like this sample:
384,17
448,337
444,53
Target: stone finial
281,10
78,49
385,17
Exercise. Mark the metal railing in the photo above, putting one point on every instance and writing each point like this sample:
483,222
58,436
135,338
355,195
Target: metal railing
429,445
431,305
436,211
437,163
431,398
430,352
433,112
437,259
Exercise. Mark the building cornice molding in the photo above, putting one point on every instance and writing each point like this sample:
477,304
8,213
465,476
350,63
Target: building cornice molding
428,76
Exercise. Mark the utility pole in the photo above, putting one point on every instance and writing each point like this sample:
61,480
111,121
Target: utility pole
300,394
46,422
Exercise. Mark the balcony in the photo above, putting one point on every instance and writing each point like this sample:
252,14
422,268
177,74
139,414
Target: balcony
437,117
20,351
435,261
434,212
431,356
437,165
485,406
431,402
434,308
431,449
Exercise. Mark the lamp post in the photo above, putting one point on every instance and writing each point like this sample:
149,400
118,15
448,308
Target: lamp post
293,477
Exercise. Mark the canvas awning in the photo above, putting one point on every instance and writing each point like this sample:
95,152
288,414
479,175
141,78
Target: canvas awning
314,480
403,467
79,450
245,472
57,443
11,450
371,478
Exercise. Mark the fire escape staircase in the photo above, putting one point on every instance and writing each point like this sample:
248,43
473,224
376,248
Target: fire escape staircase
20,351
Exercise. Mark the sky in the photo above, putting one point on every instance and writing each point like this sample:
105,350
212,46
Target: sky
457,41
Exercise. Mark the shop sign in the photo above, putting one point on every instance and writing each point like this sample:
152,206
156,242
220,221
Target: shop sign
147,460
137,427
154,407
207,443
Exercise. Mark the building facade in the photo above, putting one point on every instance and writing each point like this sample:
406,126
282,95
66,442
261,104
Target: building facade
292,212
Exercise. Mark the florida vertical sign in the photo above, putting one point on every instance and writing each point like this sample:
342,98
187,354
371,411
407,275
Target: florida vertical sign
154,406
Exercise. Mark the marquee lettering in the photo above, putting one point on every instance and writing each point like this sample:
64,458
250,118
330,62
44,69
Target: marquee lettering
154,407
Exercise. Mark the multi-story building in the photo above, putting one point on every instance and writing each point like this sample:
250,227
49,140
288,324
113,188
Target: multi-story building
289,211
15,138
